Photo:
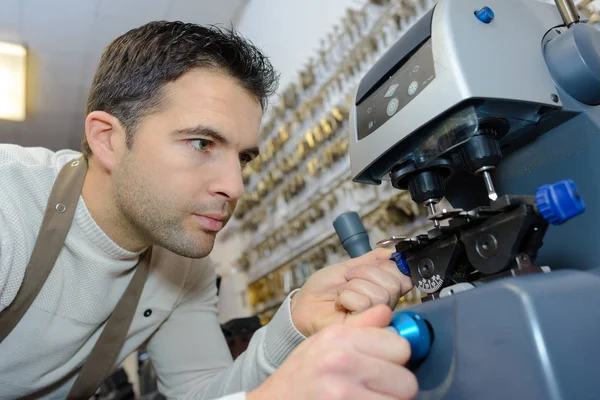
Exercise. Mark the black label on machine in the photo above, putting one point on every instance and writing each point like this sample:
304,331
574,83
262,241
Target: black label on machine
399,90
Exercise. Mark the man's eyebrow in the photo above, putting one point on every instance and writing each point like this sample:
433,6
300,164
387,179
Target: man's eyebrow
203,131
211,133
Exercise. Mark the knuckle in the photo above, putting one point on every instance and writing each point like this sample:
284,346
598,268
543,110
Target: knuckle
359,272
371,274
335,360
396,285
392,269
333,334
381,297
363,303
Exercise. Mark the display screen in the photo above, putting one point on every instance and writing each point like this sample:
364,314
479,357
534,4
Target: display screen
399,90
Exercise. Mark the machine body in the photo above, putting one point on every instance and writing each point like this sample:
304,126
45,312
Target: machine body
505,102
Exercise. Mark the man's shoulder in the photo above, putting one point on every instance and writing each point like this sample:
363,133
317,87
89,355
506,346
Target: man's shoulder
15,156
26,178
28,173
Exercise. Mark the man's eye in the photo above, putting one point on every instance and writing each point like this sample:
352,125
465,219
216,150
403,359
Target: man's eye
245,159
201,144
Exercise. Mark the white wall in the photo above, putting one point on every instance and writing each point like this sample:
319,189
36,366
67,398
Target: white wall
290,31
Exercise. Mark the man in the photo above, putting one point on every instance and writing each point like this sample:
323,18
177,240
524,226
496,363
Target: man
173,115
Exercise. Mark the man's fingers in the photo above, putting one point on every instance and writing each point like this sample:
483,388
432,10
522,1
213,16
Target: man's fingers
373,257
389,379
392,268
362,394
378,317
382,277
342,390
384,345
370,357
374,292
352,301
367,340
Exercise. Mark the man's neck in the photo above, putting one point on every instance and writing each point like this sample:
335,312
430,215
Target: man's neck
98,196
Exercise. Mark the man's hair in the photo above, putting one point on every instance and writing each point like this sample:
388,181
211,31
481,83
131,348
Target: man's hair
134,68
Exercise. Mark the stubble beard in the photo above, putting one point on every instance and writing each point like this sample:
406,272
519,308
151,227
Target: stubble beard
152,215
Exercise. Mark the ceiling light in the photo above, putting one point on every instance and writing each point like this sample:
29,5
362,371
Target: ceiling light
12,81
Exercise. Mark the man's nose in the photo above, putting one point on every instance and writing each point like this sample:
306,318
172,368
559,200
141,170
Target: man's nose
228,181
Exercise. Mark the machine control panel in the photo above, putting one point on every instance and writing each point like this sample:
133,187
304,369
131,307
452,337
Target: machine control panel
399,90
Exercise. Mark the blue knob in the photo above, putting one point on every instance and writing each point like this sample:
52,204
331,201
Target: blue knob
485,15
413,328
400,260
559,202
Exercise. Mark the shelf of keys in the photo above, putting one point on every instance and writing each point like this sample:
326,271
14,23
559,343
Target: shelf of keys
589,11
301,181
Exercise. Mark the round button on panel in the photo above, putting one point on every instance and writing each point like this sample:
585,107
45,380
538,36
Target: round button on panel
392,107
412,88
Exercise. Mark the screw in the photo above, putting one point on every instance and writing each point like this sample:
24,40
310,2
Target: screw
430,204
554,97
486,245
426,268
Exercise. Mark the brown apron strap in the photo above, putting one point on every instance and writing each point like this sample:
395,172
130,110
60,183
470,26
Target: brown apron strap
51,237
56,223
103,357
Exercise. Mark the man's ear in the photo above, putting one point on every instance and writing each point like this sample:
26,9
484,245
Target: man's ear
106,137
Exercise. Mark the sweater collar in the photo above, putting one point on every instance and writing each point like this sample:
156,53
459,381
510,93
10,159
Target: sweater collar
97,236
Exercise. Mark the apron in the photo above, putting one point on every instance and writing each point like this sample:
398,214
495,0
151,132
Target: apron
56,223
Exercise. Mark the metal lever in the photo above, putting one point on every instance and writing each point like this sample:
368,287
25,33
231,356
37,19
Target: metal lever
568,11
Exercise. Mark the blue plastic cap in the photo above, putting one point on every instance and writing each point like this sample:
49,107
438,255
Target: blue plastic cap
559,202
400,260
485,15
413,328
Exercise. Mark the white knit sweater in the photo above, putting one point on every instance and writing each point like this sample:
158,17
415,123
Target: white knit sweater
43,354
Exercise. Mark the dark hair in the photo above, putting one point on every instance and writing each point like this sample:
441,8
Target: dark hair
135,66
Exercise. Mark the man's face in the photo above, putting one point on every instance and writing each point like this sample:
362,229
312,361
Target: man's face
180,182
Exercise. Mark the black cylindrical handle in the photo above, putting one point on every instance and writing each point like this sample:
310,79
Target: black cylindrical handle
352,234
426,185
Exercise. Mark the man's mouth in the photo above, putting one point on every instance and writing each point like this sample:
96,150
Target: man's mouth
211,222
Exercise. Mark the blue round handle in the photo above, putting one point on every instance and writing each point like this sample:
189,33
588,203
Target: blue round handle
559,202
413,328
485,15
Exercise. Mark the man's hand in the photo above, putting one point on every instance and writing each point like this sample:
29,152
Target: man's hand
354,360
333,293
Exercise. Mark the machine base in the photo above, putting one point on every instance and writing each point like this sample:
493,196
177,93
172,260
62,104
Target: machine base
529,337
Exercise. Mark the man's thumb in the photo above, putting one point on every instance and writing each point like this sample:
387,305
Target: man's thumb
377,317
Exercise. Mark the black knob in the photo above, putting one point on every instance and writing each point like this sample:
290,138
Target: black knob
481,151
426,185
